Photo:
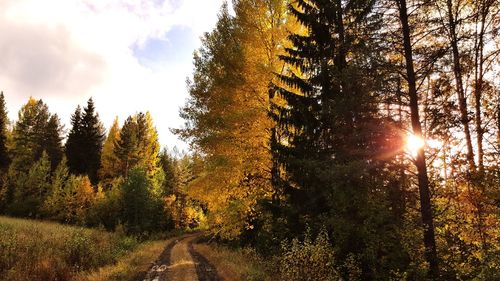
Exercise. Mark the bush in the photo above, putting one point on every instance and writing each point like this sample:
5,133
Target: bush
308,260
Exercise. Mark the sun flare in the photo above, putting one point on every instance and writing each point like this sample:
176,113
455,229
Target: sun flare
413,144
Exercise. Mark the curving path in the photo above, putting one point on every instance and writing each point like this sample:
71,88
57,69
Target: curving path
180,262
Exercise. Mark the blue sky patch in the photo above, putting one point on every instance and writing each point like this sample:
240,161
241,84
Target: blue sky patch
175,47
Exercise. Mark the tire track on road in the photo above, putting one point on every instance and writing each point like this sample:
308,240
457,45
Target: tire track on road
204,269
181,262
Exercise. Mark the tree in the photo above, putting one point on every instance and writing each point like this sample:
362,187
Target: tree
74,142
329,144
35,131
52,142
168,163
138,146
4,157
452,25
93,136
485,15
71,203
31,188
109,161
142,212
85,142
226,117
420,161
54,206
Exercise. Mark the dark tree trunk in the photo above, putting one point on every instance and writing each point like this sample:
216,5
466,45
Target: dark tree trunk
482,11
423,180
457,70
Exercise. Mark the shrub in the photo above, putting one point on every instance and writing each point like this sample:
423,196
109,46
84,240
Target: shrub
308,259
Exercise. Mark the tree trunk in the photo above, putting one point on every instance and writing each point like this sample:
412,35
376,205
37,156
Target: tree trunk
482,10
457,70
423,180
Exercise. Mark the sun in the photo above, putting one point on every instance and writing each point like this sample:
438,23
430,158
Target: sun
414,144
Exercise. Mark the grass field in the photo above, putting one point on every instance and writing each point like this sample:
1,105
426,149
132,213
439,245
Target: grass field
234,265
128,268
34,250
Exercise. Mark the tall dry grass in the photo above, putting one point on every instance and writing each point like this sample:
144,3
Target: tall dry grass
34,250
131,267
237,264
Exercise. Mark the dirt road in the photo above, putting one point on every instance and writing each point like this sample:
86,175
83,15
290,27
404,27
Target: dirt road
180,262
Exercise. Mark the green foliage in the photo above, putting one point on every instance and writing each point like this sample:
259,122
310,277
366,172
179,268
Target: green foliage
71,202
137,146
142,211
309,259
35,131
85,142
169,166
30,189
4,157
31,250
329,143
108,207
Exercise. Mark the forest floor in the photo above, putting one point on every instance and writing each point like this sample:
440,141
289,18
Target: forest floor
180,261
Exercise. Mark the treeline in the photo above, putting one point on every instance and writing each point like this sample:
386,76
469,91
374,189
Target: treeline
303,112
122,179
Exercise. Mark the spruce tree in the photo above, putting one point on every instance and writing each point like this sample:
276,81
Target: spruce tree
126,146
168,163
326,140
4,157
31,189
138,146
85,141
35,131
93,138
53,141
74,143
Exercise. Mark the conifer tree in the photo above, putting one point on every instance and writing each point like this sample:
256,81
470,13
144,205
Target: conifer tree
169,165
328,137
109,165
126,147
420,160
31,189
74,142
4,157
85,142
35,131
53,141
54,206
93,138
138,146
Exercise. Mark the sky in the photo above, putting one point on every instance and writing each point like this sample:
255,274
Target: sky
128,55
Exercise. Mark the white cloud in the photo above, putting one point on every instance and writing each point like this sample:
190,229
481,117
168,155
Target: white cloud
65,51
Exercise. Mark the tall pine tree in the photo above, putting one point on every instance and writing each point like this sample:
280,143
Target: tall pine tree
85,141
74,142
138,146
4,157
328,138
35,131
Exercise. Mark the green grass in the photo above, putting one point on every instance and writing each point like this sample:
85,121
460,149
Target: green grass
34,250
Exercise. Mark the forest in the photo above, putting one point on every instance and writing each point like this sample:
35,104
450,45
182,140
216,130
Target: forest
337,139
